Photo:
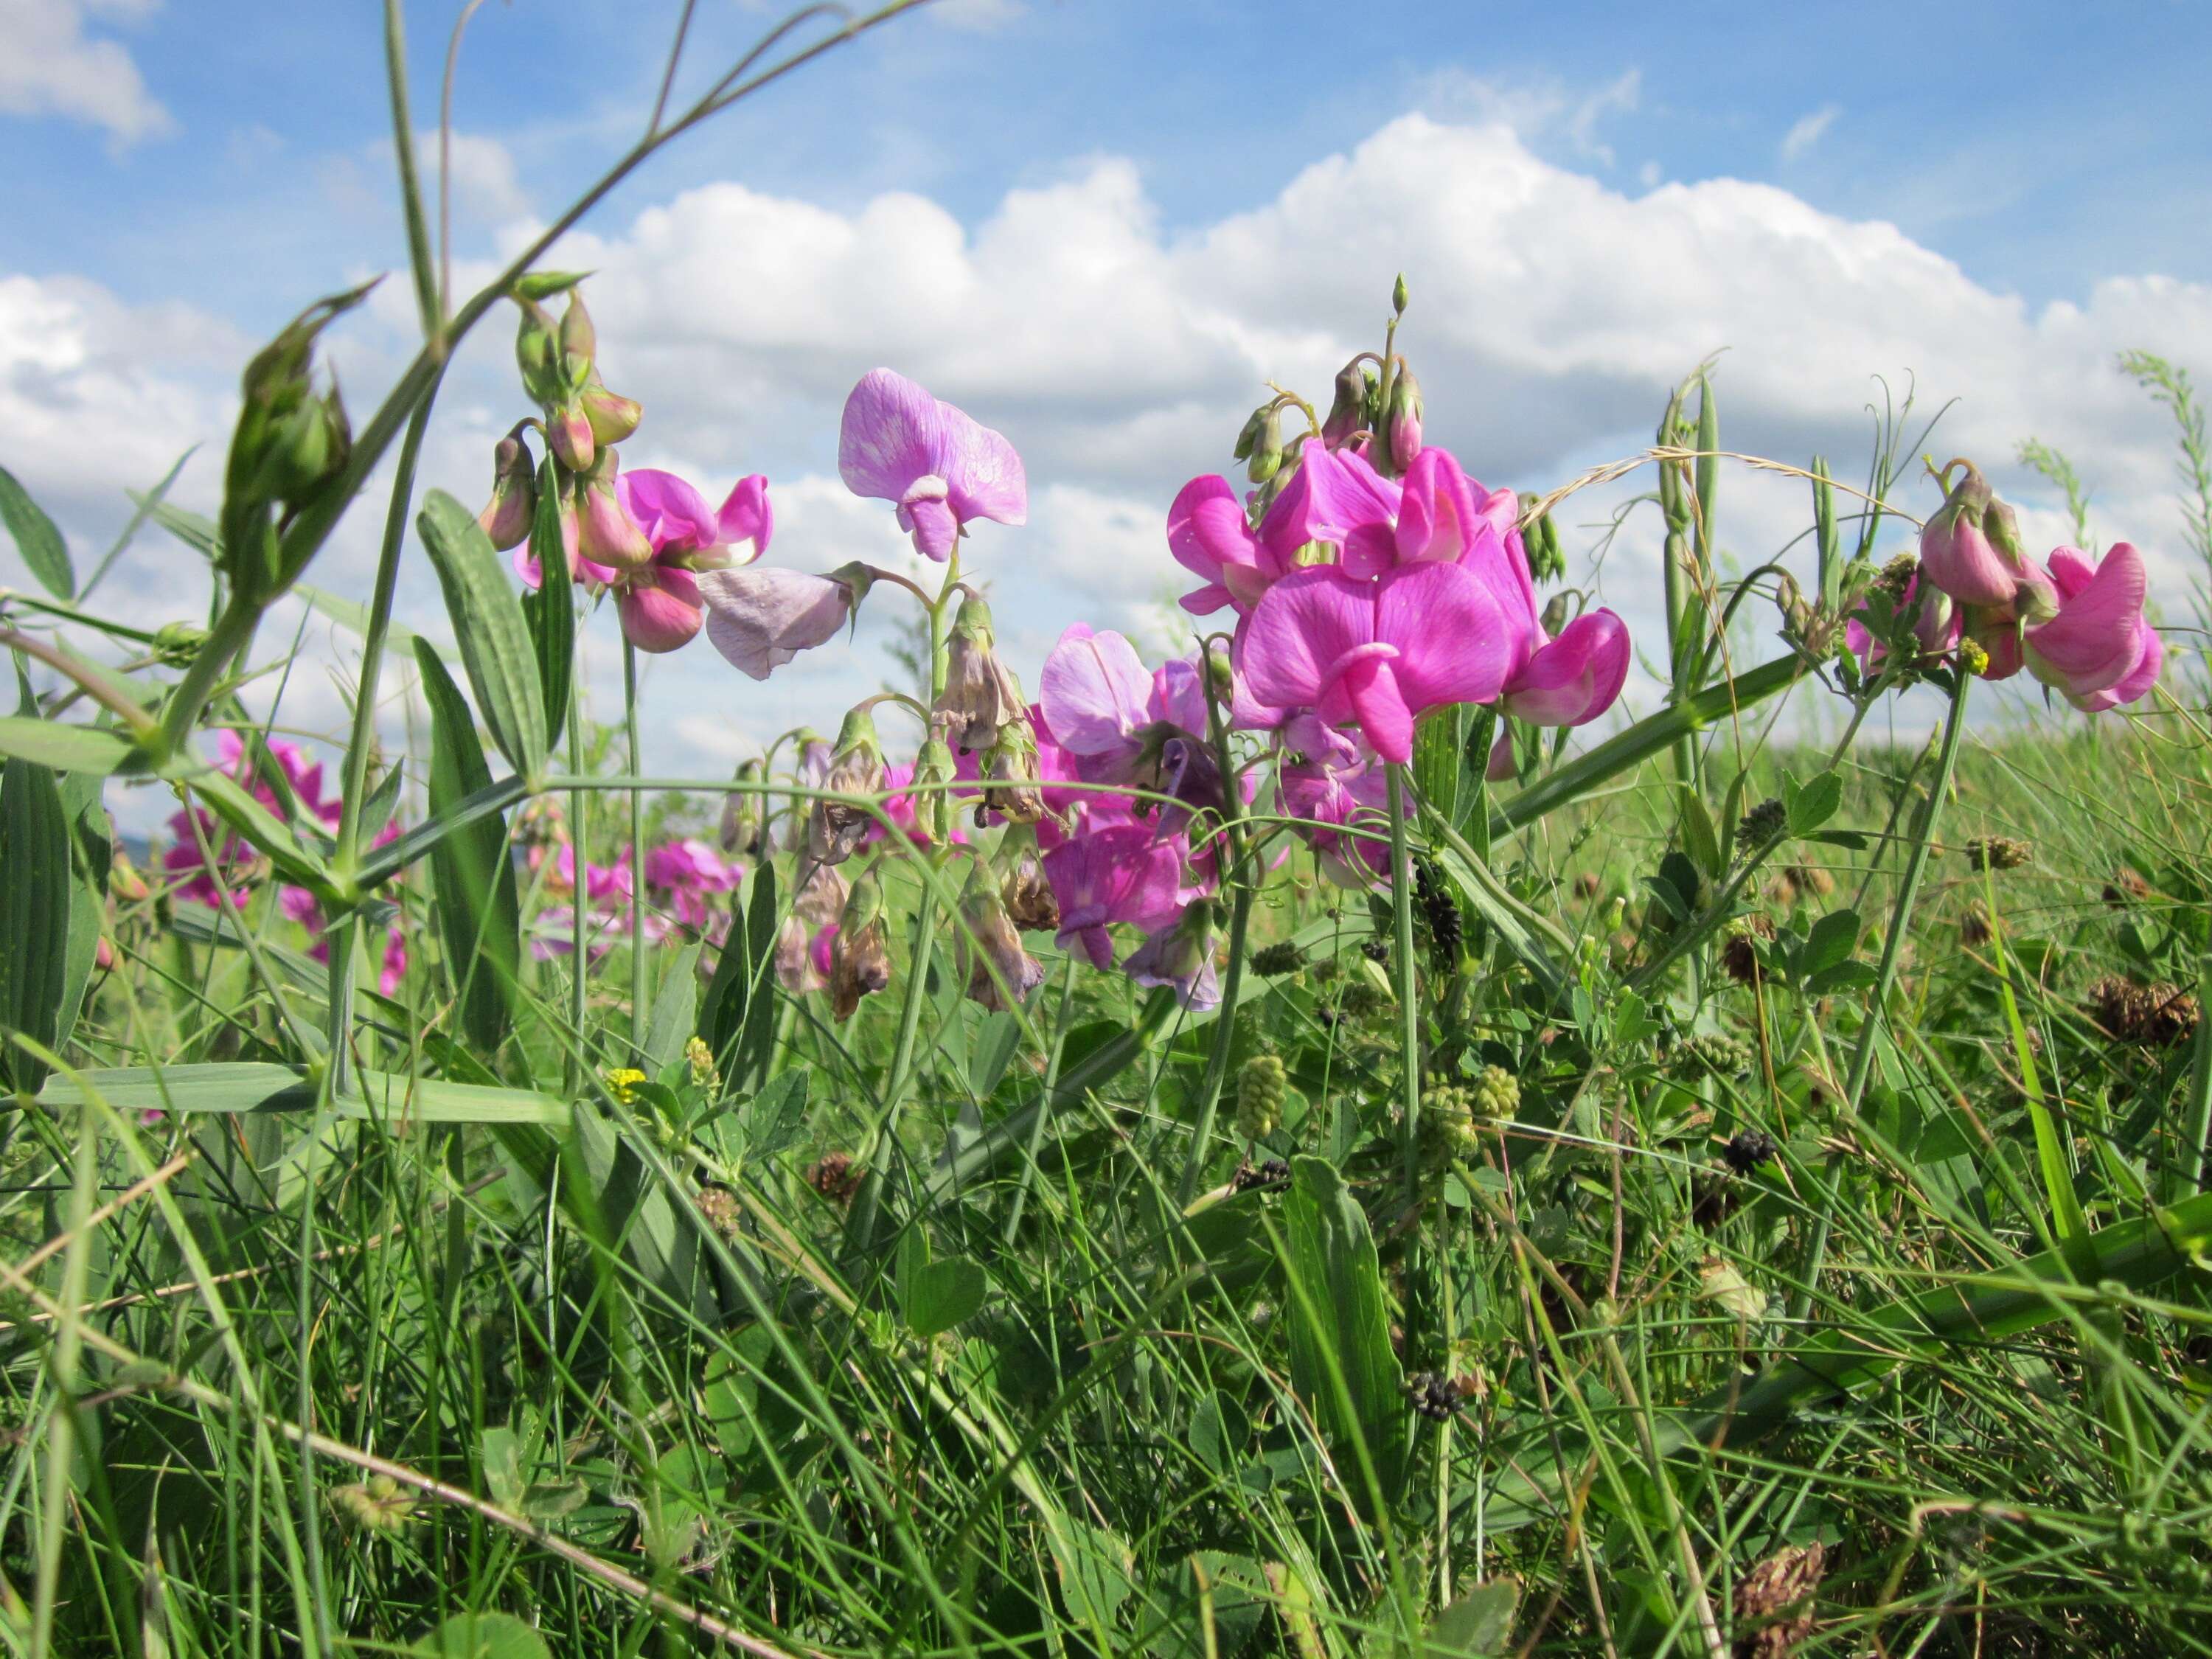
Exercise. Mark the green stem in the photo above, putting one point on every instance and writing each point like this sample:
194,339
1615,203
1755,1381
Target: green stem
232,630
578,963
1409,1012
1900,918
1240,916
1044,1095
637,1015
2193,1157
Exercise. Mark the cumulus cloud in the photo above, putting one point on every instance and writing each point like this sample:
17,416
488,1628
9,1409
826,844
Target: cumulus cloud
51,66
1551,315
1808,131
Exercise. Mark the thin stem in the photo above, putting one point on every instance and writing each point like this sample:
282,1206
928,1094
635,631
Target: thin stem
1409,1012
410,184
1044,1099
1900,918
2199,1117
636,853
579,963
1240,916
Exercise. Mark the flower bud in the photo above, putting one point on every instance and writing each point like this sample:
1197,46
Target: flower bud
605,534
742,813
1248,433
580,341
1970,547
177,643
569,435
796,970
1555,617
1267,452
1540,540
513,506
930,792
537,356
834,828
1348,410
980,693
1398,295
997,944
1010,776
1405,418
859,961
612,418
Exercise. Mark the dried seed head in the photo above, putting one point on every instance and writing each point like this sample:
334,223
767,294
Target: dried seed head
2153,1016
834,1176
1761,824
1273,961
1774,1603
1998,852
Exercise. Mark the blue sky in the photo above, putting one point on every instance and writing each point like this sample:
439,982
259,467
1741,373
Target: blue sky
1102,228
2040,146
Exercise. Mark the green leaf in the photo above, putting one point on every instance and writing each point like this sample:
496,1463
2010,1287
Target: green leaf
1699,840
45,553
92,857
495,644
35,917
995,1046
233,1087
551,612
483,1636
1439,748
1341,1361
236,806
195,530
479,911
774,1116
1830,943
352,614
1815,803
93,748
675,1012
941,1294
1477,1625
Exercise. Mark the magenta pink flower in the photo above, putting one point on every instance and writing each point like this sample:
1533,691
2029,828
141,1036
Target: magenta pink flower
1113,873
1379,652
1328,495
660,602
1567,681
1126,727
1328,782
896,443
2099,651
759,620
689,872
1971,547
1180,955
393,968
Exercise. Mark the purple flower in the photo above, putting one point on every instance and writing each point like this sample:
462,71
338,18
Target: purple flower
898,443
1329,782
2099,651
761,619
659,603
1328,495
1180,955
1126,727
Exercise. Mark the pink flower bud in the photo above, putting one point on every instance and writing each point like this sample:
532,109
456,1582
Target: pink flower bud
607,535
1970,549
506,517
1404,419
612,418
569,435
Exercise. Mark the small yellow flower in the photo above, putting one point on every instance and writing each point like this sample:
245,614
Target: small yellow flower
623,1085
701,1058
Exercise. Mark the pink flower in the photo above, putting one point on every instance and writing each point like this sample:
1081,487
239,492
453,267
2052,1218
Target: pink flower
1116,872
689,871
1971,547
896,443
1180,955
1126,727
2098,652
394,967
1567,681
660,604
1379,653
759,620
1328,495
1437,516
1328,780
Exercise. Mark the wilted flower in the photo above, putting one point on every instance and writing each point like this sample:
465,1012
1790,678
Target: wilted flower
896,443
1027,893
928,791
860,960
1010,776
996,943
980,693
834,828
761,619
1347,409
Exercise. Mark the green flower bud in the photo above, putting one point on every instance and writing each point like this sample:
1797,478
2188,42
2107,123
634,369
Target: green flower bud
1497,1093
1267,452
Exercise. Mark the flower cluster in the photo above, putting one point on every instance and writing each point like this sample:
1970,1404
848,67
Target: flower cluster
203,860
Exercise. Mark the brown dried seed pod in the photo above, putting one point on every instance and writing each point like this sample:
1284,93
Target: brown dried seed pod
1774,1603
835,1177
2155,1016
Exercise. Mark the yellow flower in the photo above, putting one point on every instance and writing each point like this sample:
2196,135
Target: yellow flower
623,1085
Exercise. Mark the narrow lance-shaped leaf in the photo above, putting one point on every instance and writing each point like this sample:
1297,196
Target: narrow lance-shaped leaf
479,912
35,917
495,644
551,610
92,854
45,553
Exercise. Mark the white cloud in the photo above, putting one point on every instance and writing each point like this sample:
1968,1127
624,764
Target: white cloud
1551,314
51,66
1808,131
